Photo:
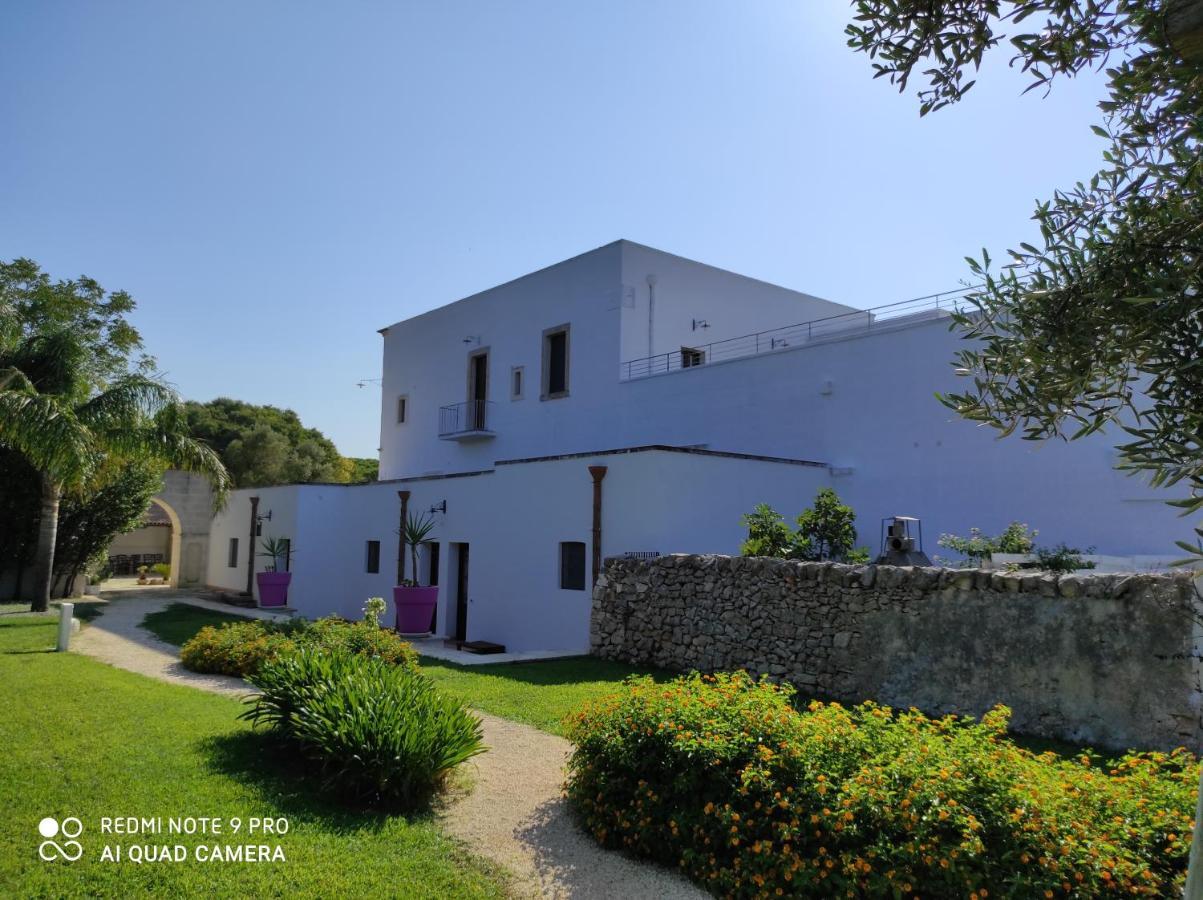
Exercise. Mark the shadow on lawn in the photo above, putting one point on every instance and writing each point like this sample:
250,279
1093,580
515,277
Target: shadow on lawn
272,768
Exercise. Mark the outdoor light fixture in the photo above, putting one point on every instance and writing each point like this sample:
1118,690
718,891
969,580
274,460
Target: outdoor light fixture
472,339
439,507
259,519
700,323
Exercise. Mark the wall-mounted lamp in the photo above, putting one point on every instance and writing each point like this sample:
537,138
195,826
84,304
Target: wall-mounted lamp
472,339
259,520
439,507
700,323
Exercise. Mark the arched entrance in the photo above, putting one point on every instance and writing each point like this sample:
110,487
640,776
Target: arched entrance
174,558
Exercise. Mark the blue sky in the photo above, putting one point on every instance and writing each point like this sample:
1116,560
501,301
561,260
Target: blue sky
273,181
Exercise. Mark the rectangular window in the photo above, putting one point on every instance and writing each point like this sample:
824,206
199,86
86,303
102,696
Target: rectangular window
373,558
402,404
691,357
517,374
555,362
572,566
287,554
233,561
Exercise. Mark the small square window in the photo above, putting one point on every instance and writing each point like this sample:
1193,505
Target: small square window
572,566
402,409
691,356
517,379
373,558
233,557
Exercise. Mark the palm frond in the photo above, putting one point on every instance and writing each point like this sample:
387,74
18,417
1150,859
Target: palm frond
48,435
130,400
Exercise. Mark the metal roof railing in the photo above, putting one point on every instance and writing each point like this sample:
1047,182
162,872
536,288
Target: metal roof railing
848,324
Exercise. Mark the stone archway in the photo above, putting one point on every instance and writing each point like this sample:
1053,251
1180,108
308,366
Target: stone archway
174,557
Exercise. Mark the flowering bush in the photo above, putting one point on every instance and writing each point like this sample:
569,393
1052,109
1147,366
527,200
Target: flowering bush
241,648
235,648
723,777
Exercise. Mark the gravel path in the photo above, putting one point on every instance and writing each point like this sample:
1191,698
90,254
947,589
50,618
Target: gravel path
513,814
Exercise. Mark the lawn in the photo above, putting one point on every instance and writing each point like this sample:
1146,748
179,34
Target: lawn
86,740
537,693
178,622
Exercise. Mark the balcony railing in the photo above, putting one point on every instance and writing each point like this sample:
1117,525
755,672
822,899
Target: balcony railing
845,324
465,421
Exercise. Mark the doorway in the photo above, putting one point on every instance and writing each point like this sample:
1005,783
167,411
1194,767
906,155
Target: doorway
432,579
460,552
478,389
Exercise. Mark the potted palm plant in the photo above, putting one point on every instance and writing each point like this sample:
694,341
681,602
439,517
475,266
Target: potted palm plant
274,579
415,603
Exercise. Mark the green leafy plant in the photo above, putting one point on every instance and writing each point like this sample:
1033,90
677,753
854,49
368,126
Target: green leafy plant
768,535
374,732
241,648
1061,558
416,532
373,610
1015,538
723,778
825,531
163,570
236,648
277,550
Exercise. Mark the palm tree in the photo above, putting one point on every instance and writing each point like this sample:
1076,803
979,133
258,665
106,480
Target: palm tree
66,424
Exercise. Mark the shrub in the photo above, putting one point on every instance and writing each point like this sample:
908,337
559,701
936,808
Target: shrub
825,531
1015,538
240,648
163,570
376,732
235,648
363,638
721,776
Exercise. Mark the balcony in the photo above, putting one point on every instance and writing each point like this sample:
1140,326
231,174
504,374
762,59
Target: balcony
471,420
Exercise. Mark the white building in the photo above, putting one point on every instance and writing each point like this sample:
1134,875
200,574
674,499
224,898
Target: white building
702,393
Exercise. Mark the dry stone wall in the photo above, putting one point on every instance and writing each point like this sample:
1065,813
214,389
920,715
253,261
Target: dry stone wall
1109,660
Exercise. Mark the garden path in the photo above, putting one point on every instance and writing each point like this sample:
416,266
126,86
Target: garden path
513,813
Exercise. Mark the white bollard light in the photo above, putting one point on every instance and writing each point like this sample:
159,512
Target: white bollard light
64,627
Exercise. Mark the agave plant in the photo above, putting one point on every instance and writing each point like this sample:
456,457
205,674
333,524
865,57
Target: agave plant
277,550
417,530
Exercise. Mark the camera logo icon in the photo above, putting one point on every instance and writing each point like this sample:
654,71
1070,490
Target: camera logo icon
70,849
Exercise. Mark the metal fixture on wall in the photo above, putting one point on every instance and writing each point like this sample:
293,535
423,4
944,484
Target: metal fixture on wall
700,323
439,507
900,546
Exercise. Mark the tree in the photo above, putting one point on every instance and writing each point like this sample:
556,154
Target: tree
768,535
69,408
265,445
1103,323
825,531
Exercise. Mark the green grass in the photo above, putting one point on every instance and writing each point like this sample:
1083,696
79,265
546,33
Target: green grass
87,740
180,621
537,693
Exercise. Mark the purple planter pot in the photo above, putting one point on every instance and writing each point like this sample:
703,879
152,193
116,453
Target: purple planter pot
415,606
273,588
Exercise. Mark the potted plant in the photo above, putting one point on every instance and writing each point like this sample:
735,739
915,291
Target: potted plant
142,570
415,603
163,570
274,579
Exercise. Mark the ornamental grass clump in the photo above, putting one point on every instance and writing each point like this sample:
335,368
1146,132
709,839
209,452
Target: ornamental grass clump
722,777
375,733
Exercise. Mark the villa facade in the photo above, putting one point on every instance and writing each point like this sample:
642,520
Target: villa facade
631,402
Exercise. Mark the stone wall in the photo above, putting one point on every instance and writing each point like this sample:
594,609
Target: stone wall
1108,660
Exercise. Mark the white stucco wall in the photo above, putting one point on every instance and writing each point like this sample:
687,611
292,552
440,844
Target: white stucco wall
603,296
513,519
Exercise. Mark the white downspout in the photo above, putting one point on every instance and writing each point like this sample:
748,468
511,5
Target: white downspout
651,315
